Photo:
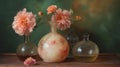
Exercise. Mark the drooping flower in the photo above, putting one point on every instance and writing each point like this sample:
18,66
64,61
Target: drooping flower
30,61
51,9
24,22
62,19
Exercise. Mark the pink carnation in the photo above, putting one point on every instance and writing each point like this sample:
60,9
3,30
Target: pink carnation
30,61
62,19
51,9
24,22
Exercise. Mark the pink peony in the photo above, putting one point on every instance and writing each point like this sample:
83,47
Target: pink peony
62,19
51,9
30,61
24,22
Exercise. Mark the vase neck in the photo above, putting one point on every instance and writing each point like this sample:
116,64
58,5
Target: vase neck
26,38
86,37
53,27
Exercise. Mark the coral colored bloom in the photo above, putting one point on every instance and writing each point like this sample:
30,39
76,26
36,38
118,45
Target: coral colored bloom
30,61
51,9
62,19
24,22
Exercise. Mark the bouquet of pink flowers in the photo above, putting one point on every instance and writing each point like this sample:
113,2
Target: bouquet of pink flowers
24,22
61,18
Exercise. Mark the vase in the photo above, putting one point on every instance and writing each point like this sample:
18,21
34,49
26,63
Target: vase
85,50
53,47
72,38
27,49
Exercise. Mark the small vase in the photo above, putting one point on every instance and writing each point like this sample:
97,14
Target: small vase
27,49
85,50
72,38
53,47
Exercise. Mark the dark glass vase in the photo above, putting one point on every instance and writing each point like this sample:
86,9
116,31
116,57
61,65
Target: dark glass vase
72,38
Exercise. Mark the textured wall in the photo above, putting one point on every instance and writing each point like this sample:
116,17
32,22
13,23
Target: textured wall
101,18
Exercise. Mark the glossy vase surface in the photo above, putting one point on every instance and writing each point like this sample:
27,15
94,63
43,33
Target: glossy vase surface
53,47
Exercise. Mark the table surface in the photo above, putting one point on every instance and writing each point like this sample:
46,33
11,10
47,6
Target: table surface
103,60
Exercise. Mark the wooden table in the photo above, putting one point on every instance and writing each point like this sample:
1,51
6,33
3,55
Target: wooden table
104,60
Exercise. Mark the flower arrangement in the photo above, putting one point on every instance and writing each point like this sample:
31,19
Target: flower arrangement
53,42
61,18
24,22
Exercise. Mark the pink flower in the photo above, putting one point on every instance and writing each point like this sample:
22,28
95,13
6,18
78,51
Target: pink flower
62,19
51,9
24,22
30,61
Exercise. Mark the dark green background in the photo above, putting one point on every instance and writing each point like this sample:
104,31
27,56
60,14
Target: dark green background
100,18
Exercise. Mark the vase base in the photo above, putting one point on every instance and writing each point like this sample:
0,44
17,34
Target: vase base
86,58
23,57
50,61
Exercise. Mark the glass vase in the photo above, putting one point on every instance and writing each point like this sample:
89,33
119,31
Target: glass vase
53,47
27,49
85,50
72,38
